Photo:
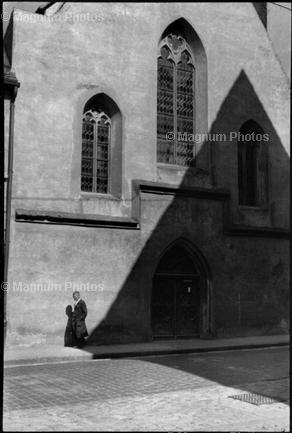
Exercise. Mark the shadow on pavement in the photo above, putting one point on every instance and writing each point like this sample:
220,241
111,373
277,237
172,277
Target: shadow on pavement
264,371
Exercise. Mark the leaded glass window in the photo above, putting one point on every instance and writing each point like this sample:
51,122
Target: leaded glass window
96,135
175,102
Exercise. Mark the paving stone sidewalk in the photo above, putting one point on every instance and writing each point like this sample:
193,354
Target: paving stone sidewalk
163,393
207,409
50,353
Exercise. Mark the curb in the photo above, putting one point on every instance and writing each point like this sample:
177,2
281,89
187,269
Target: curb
136,353
85,356
190,350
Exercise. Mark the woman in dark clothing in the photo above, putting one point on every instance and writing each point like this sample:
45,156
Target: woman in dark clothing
79,315
69,337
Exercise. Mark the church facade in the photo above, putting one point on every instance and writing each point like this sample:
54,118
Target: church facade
150,172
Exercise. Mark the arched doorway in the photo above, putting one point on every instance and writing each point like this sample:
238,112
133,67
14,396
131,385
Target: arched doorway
180,298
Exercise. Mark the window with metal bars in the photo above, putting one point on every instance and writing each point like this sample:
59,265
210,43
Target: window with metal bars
96,141
252,166
175,102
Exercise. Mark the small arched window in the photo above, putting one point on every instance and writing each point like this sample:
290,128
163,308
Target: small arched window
101,152
252,165
175,102
96,142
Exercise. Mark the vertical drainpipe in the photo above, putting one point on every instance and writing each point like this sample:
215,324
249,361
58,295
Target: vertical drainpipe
8,196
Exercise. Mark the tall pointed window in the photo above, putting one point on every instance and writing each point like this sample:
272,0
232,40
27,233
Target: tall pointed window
252,165
175,102
96,141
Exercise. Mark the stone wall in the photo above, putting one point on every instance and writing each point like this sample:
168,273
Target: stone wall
61,61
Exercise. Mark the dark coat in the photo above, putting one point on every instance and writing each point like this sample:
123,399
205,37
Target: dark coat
80,312
69,337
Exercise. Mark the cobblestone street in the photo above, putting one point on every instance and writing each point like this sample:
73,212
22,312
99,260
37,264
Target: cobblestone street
175,392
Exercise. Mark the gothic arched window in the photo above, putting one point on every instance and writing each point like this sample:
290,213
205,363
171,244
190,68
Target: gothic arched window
175,102
252,165
96,143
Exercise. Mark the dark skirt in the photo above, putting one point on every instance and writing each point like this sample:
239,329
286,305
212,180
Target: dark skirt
69,337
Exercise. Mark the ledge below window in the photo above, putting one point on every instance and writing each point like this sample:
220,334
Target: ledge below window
96,195
68,218
176,167
246,208
260,232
